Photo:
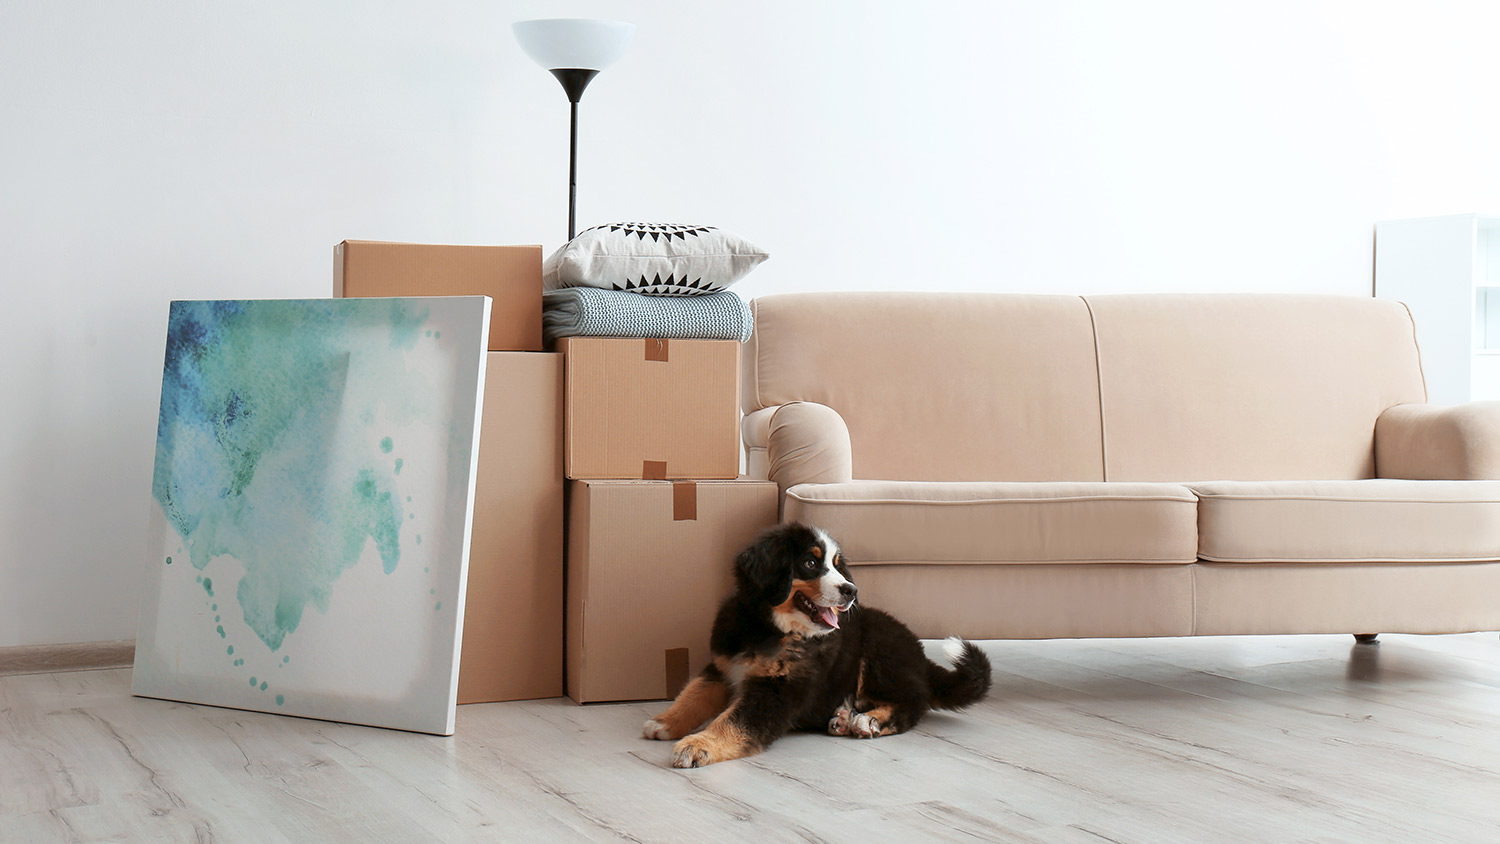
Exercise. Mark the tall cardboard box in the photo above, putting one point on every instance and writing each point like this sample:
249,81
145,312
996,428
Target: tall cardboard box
513,606
649,562
652,409
510,275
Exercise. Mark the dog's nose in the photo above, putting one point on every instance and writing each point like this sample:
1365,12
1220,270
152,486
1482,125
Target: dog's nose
847,591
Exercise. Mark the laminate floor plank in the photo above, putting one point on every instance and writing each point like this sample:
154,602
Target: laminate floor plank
1310,757
1292,740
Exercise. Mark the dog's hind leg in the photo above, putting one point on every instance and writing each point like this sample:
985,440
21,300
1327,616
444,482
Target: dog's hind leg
704,697
842,718
883,719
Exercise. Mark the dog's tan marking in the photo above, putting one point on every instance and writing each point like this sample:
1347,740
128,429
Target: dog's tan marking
783,663
873,722
791,620
720,741
817,551
699,701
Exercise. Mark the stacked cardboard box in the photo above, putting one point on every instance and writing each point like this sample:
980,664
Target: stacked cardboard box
513,608
648,433
656,513
648,564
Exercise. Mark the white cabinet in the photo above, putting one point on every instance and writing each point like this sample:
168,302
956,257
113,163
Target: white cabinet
1447,270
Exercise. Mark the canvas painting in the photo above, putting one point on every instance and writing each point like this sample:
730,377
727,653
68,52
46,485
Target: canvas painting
311,507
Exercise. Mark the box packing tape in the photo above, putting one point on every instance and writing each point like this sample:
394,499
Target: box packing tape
684,501
677,670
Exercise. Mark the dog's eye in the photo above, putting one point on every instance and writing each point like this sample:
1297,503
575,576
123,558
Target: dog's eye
809,565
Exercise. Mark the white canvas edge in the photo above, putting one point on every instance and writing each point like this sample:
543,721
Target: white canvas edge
463,566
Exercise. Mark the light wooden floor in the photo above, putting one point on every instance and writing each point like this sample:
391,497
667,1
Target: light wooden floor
1289,739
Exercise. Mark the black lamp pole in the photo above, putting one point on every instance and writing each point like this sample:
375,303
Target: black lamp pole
573,80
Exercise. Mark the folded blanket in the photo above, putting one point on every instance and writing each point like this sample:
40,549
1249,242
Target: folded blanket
590,312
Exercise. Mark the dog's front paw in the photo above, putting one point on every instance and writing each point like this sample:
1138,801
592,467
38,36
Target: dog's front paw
655,729
693,752
865,726
838,725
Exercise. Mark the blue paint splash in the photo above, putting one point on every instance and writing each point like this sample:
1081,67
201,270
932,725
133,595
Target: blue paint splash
252,396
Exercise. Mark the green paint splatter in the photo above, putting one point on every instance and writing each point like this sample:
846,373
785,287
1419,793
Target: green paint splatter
231,650
169,559
280,699
399,464
429,332
385,446
425,569
208,586
263,685
215,608
286,659
432,591
370,513
254,458
439,605
221,632
419,542
436,335
216,618
252,682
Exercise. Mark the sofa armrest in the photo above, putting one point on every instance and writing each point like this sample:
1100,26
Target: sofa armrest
805,442
1425,442
755,432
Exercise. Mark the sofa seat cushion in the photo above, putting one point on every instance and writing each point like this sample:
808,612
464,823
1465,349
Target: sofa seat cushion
1364,521
904,522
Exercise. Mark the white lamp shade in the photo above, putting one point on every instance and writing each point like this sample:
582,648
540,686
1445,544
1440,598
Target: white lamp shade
574,43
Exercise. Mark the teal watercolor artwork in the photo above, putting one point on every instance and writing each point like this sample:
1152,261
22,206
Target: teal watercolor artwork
311,507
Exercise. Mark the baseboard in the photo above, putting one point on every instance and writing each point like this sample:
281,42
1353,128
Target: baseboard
52,659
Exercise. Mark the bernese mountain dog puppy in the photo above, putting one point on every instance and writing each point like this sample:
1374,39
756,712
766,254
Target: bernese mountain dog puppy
791,651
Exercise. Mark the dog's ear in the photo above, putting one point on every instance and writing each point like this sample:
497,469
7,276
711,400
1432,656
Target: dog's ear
761,567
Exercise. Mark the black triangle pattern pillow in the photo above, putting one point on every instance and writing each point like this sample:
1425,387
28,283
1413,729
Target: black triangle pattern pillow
657,259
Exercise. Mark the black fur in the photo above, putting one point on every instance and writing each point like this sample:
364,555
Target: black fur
811,678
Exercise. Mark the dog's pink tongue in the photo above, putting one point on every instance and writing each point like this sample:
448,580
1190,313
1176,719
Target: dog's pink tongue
830,616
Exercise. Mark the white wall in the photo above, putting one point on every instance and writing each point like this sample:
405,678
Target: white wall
160,150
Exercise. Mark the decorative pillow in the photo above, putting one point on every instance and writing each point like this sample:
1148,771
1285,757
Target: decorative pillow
659,259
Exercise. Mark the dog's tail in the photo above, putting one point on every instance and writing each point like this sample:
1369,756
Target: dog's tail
966,683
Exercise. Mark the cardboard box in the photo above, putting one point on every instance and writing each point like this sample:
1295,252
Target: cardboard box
652,409
513,606
511,275
649,562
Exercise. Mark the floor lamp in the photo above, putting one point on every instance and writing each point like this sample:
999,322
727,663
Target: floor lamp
575,51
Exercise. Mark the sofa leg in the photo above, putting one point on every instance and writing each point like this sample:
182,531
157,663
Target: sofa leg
1366,638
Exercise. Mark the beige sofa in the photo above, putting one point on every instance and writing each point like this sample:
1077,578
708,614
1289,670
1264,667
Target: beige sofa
1014,466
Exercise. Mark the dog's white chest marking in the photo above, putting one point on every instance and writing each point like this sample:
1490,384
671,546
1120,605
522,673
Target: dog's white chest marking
736,674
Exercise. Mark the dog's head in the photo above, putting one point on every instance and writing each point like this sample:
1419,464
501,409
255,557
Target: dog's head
798,573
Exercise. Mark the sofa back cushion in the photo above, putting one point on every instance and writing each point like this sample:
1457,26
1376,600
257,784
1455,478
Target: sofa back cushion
1201,387
938,386
1008,387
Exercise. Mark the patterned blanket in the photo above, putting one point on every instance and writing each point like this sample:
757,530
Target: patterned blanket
589,312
